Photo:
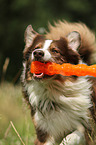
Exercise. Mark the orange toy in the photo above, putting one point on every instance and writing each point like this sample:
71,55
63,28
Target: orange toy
65,69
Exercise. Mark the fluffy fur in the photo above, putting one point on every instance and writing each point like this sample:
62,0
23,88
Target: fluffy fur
60,106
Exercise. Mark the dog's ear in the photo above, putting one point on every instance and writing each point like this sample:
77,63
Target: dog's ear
29,35
74,40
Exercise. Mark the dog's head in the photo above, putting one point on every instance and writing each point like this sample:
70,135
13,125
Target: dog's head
37,48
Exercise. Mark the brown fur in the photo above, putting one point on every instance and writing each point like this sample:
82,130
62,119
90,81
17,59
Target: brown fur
39,39
41,135
65,54
37,142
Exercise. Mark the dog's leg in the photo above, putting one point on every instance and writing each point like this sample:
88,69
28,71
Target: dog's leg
75,138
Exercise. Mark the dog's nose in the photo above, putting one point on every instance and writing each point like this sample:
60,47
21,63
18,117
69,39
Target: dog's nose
38,54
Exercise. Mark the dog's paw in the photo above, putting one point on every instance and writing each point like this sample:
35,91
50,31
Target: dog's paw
75,138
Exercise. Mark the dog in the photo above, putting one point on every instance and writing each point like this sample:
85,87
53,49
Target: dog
61,106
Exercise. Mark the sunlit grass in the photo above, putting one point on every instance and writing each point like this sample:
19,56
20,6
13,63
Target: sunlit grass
13,108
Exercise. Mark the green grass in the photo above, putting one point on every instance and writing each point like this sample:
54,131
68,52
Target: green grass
13,108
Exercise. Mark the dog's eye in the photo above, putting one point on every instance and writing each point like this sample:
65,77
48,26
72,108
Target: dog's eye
55,50
37,47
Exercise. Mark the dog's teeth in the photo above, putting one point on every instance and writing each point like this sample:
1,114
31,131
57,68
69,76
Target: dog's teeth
38,75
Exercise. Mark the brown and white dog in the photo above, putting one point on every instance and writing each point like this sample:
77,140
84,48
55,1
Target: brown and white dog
60,105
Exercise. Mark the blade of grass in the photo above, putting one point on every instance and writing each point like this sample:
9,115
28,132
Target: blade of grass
7,131
17,132
5,66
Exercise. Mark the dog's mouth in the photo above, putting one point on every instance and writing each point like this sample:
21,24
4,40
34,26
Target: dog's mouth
39,73
39,76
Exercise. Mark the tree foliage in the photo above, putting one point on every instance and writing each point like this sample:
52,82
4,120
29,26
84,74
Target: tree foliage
15,15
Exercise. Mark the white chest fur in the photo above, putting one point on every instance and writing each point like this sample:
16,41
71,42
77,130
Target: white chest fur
61,108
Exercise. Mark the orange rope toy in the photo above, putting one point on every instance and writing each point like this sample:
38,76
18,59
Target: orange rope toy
65,69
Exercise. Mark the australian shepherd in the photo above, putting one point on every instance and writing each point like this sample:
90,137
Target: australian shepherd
61,106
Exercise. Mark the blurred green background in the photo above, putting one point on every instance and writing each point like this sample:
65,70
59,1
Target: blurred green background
15,15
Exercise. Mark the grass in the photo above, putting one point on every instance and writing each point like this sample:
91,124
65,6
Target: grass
14,116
